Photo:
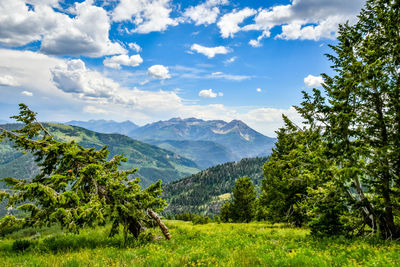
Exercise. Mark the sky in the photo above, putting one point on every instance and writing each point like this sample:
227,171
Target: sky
151,60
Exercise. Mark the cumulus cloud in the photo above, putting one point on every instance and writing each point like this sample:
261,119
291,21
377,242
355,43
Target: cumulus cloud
74,77
86,33
8,80
146,15
313,81
204,13
27,93
304,19
207,93
159,72
116,61
229,23
210,52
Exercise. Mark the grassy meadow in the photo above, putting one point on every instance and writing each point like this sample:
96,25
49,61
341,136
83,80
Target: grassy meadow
198,245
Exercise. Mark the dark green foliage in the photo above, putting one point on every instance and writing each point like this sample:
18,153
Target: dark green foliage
206,191
243,206
76,187
187,216
226,212
20,245
296,165
198,219
347,176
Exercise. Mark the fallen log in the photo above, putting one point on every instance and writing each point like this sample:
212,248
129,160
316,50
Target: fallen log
162,226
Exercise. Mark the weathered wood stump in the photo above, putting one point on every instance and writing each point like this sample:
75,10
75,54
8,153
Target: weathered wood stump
162,226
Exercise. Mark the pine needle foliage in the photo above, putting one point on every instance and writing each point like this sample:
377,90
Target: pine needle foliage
76,187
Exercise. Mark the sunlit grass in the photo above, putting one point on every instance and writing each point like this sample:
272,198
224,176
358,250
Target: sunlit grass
200,245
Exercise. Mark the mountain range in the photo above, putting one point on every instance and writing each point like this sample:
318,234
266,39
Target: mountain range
153,163
207,143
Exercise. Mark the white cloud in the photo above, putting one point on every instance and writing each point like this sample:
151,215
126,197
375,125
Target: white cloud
326,29
159,72
74,77
8,80
146,15
313,81
29,70
257,42
135,47
230,60
27,93
207,93
221,75
229,23
259,90
210,52
304,19
116,61
205,13
84,34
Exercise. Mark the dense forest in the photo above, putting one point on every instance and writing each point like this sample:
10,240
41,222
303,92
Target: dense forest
206,191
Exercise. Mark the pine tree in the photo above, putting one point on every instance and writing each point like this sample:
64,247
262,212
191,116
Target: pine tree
243,206
360,111
76,187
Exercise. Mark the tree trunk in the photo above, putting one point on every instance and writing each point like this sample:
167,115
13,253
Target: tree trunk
164,228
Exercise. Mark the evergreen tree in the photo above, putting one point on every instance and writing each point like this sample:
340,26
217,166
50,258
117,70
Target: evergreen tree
76,187
361,113
358,112
243,206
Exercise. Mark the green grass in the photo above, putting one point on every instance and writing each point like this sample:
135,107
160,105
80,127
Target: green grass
254,244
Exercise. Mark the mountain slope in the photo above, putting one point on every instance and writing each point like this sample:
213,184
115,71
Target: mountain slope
204,153
236,136
153,162
204,192
104,126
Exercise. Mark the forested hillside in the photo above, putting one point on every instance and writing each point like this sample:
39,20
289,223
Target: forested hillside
205,191
153,163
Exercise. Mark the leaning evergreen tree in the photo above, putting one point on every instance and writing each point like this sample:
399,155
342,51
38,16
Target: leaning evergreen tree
360,111
297,165
76,187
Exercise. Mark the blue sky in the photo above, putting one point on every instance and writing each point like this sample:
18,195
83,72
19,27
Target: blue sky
149,60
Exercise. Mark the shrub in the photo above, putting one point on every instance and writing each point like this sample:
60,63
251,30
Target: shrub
21,245
198,219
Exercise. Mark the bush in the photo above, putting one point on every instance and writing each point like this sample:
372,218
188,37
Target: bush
20,245
198,219
187,217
